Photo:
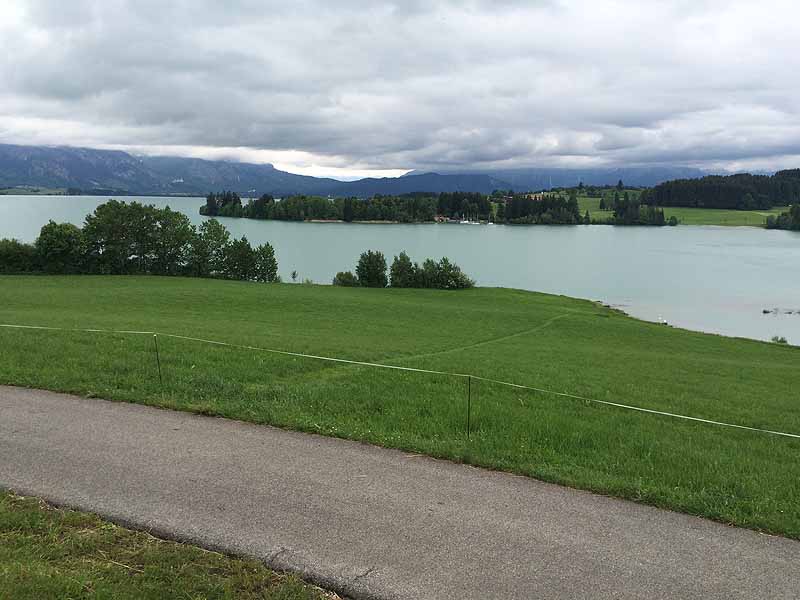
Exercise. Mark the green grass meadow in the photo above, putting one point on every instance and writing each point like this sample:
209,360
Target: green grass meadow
53,554
566,345
693,216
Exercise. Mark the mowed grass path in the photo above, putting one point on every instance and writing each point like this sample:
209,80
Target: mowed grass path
694,216
48,553
551,342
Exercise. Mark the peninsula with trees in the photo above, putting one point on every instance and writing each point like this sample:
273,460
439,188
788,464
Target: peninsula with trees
742,199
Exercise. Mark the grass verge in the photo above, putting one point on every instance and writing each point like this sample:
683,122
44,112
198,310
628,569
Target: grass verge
52,553
551,342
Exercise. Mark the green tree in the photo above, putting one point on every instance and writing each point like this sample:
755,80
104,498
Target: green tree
402,273
240,260
347,210
60,248
260,208
572,202
120,237
501,212
371,269
208,250
211,207
345,279
794,215
172,242
266,266
450,276
16,257
428,274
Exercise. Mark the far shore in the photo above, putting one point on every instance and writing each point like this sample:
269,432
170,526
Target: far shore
373,222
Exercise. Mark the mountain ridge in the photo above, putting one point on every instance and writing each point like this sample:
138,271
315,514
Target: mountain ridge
115,171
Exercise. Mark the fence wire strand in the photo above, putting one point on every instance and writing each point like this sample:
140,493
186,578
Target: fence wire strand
413,370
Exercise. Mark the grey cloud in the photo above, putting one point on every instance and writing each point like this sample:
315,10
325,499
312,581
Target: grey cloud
392,85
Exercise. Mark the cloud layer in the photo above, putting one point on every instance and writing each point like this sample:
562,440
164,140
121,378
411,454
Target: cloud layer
354,86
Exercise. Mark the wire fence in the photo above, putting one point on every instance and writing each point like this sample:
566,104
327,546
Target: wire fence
469,378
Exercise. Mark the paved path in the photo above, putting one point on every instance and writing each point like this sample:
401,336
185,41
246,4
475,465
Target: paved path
367,521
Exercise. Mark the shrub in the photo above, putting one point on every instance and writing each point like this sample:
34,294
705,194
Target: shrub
443,275
16,257
779,340
345,279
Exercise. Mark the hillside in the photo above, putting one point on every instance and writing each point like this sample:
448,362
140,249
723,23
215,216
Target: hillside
113,171
101,171
93,170
742,191
541,178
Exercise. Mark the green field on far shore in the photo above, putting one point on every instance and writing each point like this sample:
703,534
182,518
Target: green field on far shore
48,553
32,191
551,342
693,216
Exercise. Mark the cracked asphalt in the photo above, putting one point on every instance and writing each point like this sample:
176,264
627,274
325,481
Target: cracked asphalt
369,522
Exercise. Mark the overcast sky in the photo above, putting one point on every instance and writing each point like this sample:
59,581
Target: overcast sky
352,87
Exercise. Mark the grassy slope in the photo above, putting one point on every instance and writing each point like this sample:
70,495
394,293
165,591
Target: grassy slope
48,553
546,341
693,216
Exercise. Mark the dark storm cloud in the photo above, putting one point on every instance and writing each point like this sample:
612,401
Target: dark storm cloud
401,85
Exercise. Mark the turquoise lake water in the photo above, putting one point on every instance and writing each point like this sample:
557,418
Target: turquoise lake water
714,279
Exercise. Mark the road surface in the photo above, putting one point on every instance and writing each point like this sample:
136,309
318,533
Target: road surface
369,522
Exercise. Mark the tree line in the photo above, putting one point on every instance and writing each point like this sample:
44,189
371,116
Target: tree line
419,207
741,191
629,210
411,208
786,220
541,209
371,271
472,206
121,238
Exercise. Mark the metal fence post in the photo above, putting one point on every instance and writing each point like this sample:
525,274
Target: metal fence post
469,402
158,362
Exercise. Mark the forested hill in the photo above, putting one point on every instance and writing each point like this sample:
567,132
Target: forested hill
534,179
107,171
111,172
743,191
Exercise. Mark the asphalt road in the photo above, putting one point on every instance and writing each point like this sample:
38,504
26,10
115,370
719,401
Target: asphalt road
370,522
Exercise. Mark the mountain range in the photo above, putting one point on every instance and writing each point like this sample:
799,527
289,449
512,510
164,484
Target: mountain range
95,171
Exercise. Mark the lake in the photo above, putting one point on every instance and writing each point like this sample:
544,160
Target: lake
713,279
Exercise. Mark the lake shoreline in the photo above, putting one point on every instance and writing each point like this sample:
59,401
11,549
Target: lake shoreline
708,278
